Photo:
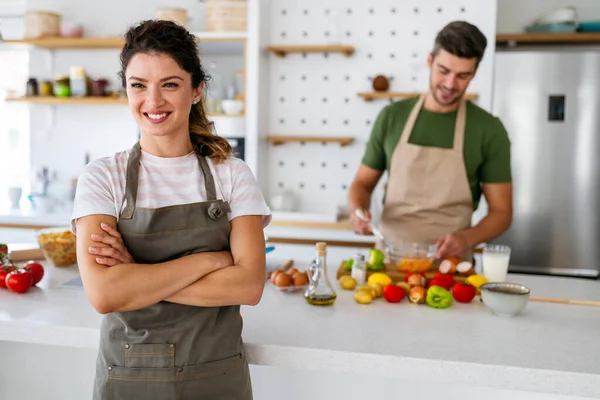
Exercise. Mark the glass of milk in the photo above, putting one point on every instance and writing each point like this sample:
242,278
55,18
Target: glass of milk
495,260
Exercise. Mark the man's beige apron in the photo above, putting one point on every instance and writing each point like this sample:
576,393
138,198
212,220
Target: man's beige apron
428,193
171,351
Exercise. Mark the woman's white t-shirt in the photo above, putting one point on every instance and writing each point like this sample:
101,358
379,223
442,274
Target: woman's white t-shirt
165,182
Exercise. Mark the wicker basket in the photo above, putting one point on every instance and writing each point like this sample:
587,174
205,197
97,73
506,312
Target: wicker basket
41,24
225,15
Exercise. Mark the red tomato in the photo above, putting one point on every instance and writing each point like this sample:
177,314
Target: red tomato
19,281
5,270
393,293
440,282
463,292
36,269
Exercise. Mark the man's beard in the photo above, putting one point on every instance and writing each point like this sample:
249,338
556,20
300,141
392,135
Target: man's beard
455,99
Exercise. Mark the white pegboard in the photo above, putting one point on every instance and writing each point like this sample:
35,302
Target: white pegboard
316,94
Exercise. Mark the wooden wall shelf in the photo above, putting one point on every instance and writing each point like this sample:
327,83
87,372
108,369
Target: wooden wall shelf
278,140
51,100
281,51
114,42
89,100
370,96
547,38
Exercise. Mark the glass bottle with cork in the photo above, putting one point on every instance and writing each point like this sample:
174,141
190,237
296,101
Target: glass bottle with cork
319,292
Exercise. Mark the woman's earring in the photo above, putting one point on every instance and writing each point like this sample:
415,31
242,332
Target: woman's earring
195,101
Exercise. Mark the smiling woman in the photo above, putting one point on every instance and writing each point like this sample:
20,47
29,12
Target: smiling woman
170,236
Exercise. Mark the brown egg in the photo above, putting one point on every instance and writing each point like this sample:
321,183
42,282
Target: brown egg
300,279
292,271
274,275
283,280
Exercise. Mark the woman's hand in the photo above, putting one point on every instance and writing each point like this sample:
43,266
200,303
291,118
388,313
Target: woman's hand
115,254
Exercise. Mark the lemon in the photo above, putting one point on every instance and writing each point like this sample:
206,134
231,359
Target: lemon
379,277
478,281
347,282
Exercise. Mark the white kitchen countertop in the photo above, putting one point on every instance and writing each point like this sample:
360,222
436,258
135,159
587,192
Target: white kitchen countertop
550,348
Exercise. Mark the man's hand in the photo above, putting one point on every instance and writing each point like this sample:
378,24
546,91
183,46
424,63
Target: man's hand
359,225
115,254
453,244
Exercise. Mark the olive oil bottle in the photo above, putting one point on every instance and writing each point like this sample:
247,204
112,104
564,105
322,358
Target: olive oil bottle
319,292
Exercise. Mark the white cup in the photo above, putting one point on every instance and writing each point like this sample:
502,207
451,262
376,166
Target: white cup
495,260
14,194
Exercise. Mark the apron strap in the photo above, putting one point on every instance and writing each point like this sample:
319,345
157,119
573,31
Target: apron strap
131,182
209,182
412,118
459,127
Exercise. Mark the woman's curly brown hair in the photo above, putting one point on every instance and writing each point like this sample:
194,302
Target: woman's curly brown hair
166,37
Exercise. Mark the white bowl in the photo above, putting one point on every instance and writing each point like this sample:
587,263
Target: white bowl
232,106
504,298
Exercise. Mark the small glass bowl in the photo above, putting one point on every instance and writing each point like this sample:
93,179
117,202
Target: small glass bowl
58,246
411,256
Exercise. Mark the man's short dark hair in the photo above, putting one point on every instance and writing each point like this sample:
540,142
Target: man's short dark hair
461,39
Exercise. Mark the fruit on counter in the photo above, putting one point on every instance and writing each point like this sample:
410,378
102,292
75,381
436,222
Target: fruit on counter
438,297
375,260
19,281
377,289
478,281
417,295
379,277
442,282
463,292
393,293
348,265
465,268
416,279
36,269
4,271
368,289
404,285
445,277
363,297
347,282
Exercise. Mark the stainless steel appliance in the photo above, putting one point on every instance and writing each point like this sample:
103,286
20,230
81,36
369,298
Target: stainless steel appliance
549,102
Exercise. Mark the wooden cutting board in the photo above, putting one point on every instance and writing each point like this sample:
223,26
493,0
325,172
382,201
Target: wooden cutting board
397,276
24,252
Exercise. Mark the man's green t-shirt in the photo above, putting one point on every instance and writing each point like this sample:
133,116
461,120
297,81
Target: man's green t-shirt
486,147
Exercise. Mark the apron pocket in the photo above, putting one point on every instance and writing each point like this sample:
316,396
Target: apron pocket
225,379
150,355
126,383
149,373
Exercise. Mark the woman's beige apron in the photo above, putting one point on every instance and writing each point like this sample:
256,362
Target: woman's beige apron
428,193
171,351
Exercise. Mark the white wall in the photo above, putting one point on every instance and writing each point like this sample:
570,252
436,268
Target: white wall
514,15
61,135
317,96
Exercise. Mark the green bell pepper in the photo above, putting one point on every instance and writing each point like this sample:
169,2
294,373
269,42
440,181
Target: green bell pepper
348,264
438,297
375,260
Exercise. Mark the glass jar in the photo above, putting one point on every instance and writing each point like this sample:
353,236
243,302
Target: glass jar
32,87
319,292
62,86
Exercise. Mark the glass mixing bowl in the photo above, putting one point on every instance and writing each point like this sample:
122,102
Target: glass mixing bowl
411,256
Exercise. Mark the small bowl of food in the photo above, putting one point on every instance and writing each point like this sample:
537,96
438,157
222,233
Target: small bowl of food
411,256
505,299
58,246
290,280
